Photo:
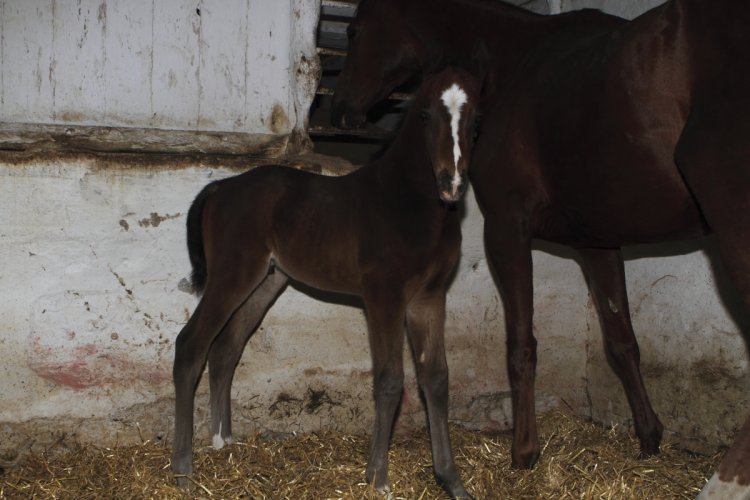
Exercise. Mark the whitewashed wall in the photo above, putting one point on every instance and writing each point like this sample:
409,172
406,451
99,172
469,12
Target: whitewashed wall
92,268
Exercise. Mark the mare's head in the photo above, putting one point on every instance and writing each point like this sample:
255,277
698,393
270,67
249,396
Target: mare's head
447,104
385,50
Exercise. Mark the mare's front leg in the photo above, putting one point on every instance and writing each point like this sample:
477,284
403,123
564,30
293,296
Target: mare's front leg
223,295
227,349
605,275
425,318
385,309
509,253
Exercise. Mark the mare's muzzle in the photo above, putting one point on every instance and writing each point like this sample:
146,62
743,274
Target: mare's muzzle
344,116
451,187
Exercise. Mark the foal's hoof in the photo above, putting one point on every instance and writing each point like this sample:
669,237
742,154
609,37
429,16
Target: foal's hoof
378,480
459,492
648,450
183,482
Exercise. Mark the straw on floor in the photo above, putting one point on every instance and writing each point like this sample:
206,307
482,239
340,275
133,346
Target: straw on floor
579,460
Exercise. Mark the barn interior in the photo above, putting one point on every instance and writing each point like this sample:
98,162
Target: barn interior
114,114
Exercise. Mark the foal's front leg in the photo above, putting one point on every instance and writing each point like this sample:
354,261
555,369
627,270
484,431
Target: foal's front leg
385,311
425,318
227,349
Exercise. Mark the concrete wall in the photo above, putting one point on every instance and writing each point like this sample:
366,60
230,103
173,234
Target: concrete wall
93,273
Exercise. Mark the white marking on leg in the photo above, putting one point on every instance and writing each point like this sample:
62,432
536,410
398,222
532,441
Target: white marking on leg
218,441
613,307
454,98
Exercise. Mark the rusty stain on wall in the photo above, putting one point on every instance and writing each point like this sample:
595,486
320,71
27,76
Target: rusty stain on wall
155,219
278,121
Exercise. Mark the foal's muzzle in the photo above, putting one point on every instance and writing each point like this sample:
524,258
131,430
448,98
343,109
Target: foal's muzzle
450,187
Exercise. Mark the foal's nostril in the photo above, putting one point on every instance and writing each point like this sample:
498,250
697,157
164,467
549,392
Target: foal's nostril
450,187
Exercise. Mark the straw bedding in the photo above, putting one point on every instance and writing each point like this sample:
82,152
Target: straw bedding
579,460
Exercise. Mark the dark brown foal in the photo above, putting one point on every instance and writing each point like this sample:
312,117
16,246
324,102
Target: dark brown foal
388,232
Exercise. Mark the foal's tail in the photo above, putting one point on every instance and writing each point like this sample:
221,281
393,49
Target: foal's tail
195,239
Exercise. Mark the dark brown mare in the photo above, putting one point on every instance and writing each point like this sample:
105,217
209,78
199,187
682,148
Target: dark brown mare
388,232
597,133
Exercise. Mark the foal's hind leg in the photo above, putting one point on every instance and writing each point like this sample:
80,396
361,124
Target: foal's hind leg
385,324
605,274
227,349
425,318
224,293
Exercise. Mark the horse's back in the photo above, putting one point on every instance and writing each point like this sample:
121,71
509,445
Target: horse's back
604,113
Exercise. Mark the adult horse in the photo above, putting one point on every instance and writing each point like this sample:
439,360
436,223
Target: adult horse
597,133
388,232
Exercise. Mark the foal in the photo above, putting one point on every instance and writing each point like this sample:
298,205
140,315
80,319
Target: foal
387,232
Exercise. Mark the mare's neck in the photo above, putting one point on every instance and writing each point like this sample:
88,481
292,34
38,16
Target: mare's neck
492,29
404,168
459,28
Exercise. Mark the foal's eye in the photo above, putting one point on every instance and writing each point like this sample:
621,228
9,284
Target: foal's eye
425,115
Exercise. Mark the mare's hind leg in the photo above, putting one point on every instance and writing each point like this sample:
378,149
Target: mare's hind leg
425,318
714,157
385,311
225,292
227,349
605,275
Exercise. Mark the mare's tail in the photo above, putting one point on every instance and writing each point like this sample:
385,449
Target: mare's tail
196,250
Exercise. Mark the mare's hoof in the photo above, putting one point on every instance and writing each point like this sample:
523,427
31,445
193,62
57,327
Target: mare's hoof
648,451
525,460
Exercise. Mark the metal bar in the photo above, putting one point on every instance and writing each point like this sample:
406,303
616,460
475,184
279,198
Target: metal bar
340,3
369,132
329,51
396,96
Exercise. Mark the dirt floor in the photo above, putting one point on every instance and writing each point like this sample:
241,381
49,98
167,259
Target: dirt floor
579,460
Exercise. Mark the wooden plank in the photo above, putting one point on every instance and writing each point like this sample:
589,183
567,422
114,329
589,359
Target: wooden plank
175,80
78,61
129,27
270,103
26,65
223,60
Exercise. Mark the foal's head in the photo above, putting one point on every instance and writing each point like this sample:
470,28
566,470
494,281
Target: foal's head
447,103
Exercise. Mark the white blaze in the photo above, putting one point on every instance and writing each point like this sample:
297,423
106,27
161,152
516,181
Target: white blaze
454,98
